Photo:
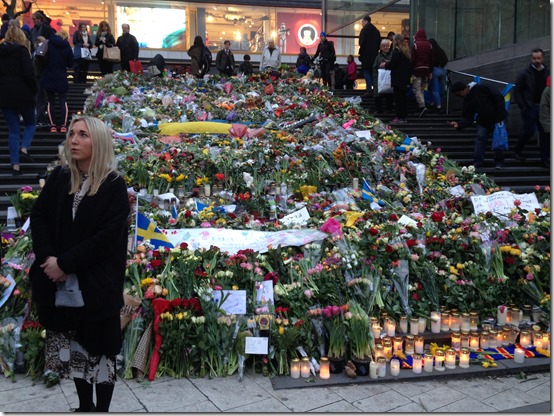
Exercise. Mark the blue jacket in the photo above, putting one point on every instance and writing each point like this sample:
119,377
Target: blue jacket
59,58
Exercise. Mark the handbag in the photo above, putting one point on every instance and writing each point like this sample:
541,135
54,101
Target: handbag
85,53
112,54
41,52
135,66
383,81
68,293
500,137
77,51
153,70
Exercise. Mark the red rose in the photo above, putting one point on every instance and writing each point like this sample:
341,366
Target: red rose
389,249
156,253
183,246
393,217
175,303
156,263
437,216
416,296
373,231
220,176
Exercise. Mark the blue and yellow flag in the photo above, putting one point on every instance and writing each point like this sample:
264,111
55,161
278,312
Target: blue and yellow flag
147,230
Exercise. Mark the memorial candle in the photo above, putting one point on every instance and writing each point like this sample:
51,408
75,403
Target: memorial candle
382,367
416,363
403,324
492,338
450,359
464,325
456,341
445,321
428,363
397,341
464,340
473,321
516,316
414,326
394,367
305,367
390,327
501,313
422,325
455,321
295,368
439,360
499,338
474,341
373,370
464,357
435,322
537,342
519,356
324,369
484,341
387,349
410,345
419,343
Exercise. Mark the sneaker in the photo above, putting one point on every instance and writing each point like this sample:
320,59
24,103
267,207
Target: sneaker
63,129
422,111
53,129
26,157
16,172
519,157
499,166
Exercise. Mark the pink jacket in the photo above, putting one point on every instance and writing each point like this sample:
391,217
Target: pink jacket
352,71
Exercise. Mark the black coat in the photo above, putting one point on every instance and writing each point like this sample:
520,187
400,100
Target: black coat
326,51
93,246
484,105
17,77
110,41
225,63
401,69
524,90
128,46
370,42
60,57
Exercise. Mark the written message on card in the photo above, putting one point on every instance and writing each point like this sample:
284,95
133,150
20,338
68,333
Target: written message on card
235,302
501,203
256,345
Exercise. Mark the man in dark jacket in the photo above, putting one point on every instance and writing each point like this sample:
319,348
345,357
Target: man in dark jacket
528,90
369,41
128,46
421,58
326,52
41,27
225,60
485,106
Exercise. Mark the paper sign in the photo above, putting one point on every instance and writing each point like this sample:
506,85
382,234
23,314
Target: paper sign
405,220
299,217
458,190
501,203
264,292
364,134
256,345
235,302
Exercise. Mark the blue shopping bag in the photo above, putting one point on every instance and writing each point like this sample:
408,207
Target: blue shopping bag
500,137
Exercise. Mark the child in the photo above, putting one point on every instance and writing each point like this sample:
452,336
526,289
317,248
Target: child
351,72
246,66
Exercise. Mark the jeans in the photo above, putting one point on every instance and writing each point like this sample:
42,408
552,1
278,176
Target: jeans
418,91
12,120
437,84
368,76
530,119
483,134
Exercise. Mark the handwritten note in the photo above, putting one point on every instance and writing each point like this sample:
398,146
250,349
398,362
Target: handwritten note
256,345
235,302
299,217
501,203
365,134
264,292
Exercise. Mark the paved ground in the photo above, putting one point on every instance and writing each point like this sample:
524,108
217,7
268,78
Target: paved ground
256,394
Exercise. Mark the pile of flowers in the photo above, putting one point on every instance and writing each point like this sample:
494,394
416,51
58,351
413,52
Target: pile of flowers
407,244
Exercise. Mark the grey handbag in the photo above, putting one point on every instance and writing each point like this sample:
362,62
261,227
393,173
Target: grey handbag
68,293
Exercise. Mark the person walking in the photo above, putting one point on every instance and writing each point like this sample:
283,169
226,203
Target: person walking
527,92
303,61
485,106
384,55
401,73
225,60
246,66
128,47
54,79
196,53
438,78
18,98
421,59
351,72
544,120
41,27
80,215
104,39
326,52
81,39
271,57
369,40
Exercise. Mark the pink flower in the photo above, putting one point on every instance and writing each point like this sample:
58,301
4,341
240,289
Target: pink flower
308,293
327,312
530,276
336,310
517,202
332,226
149,294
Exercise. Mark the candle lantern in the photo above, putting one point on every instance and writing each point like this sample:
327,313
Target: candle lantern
501,314
464,339
526,313
355,183
499,338
464,323
382,367
450,361
295,368
409,345
519,355
464,357
545,340
305,367
419,343
390,327
428,362
373,370
537,313
456,341
474,340
373,320
538,340
445,321
492,338
387,349
207,190
394,367
455,321
506,334
422,325
398,342
484,341
417,363
439,360
435,322
324,369
473,321
516,315
384,319
376,330
403,324
414,326
379,350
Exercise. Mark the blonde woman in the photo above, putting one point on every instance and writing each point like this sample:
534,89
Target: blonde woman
16,35
80,217
401,73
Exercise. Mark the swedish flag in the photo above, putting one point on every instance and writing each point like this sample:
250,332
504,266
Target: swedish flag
370,195
146,230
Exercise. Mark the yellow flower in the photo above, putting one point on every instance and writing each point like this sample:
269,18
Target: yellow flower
505,249
460,266
453,270
179,178
486,364
165,292
165,176
515,252
235,287
179,316
281,330
28,195
146,282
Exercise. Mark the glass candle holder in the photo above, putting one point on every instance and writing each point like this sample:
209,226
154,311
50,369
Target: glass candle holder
373,370
464,322
422,325
526,313
398,343
499,338
414,326
509,314
390,327
417,363
295,368
474,340
545,340
387,349
519,355
419,344
484,340
501,314
305,367
537,314
439,360
516,316
464,339
506,334
394,367
473,321
445,321
456,341
450,361
538,339
382,367
435,322
324,368
428,359
379,350
492,338
464,357
376,330
409,345
384,319
455,320
403,324
373,320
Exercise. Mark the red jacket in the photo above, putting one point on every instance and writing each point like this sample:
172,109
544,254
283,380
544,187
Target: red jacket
421,55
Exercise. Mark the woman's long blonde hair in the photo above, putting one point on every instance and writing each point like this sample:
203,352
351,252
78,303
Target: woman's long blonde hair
398,42
102,162
16,35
